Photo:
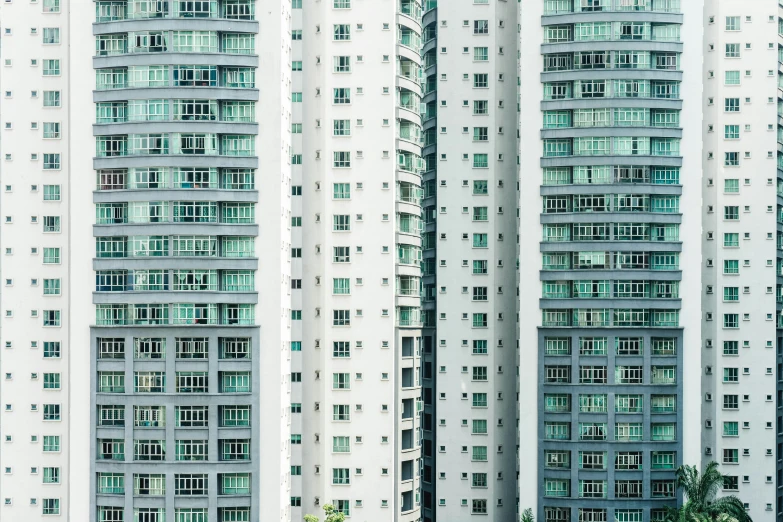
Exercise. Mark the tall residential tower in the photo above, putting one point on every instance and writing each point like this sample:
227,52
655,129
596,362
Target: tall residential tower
610,176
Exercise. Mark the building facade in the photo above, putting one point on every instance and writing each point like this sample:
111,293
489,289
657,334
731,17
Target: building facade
36,151
470,247
421,261
742,219
609,348
358,167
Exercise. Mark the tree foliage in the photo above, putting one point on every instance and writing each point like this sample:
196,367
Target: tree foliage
330,515
702,503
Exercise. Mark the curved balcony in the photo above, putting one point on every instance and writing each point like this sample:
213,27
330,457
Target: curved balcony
410,224
603,91
153,180
186,144
119,10
177,314
610,318
410,132
179,77
626,177
411,9
409,194
168,41
604,60
175,58
408,317
609,6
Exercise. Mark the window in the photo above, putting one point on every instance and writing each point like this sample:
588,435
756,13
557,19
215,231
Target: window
731,132
342,160
341,381
481,81
51,381
341,444
51,223
342,64
51,193
342,95
51,67
731,402
732,50
51,506
51,162
732,23
51,412
732,78
51,130
731,105
480,54
480,26
51,349
731,186
342,190
51,317
731,293
51,443
342,32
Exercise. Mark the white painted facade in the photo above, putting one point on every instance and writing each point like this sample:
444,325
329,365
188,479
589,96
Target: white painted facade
35,360
741,197
360,329
475,254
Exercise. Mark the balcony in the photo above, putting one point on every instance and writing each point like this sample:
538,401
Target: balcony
408,316
603,318
410,8
183,178
602,60
183,42
174,314
177,246
554,7
611,175
182,76
114,11
409,38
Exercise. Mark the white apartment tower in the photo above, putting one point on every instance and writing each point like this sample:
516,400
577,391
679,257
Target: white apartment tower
357,167
36,151
470,120
742,240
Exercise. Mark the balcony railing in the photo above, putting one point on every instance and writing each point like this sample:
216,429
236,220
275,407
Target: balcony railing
114,11
553,7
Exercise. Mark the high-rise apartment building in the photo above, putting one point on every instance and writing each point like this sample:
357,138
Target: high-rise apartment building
146,135
470,122
742,217
36,318
610,246
421,261
357,169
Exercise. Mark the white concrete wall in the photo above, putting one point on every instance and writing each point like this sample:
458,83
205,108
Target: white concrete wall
757,201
